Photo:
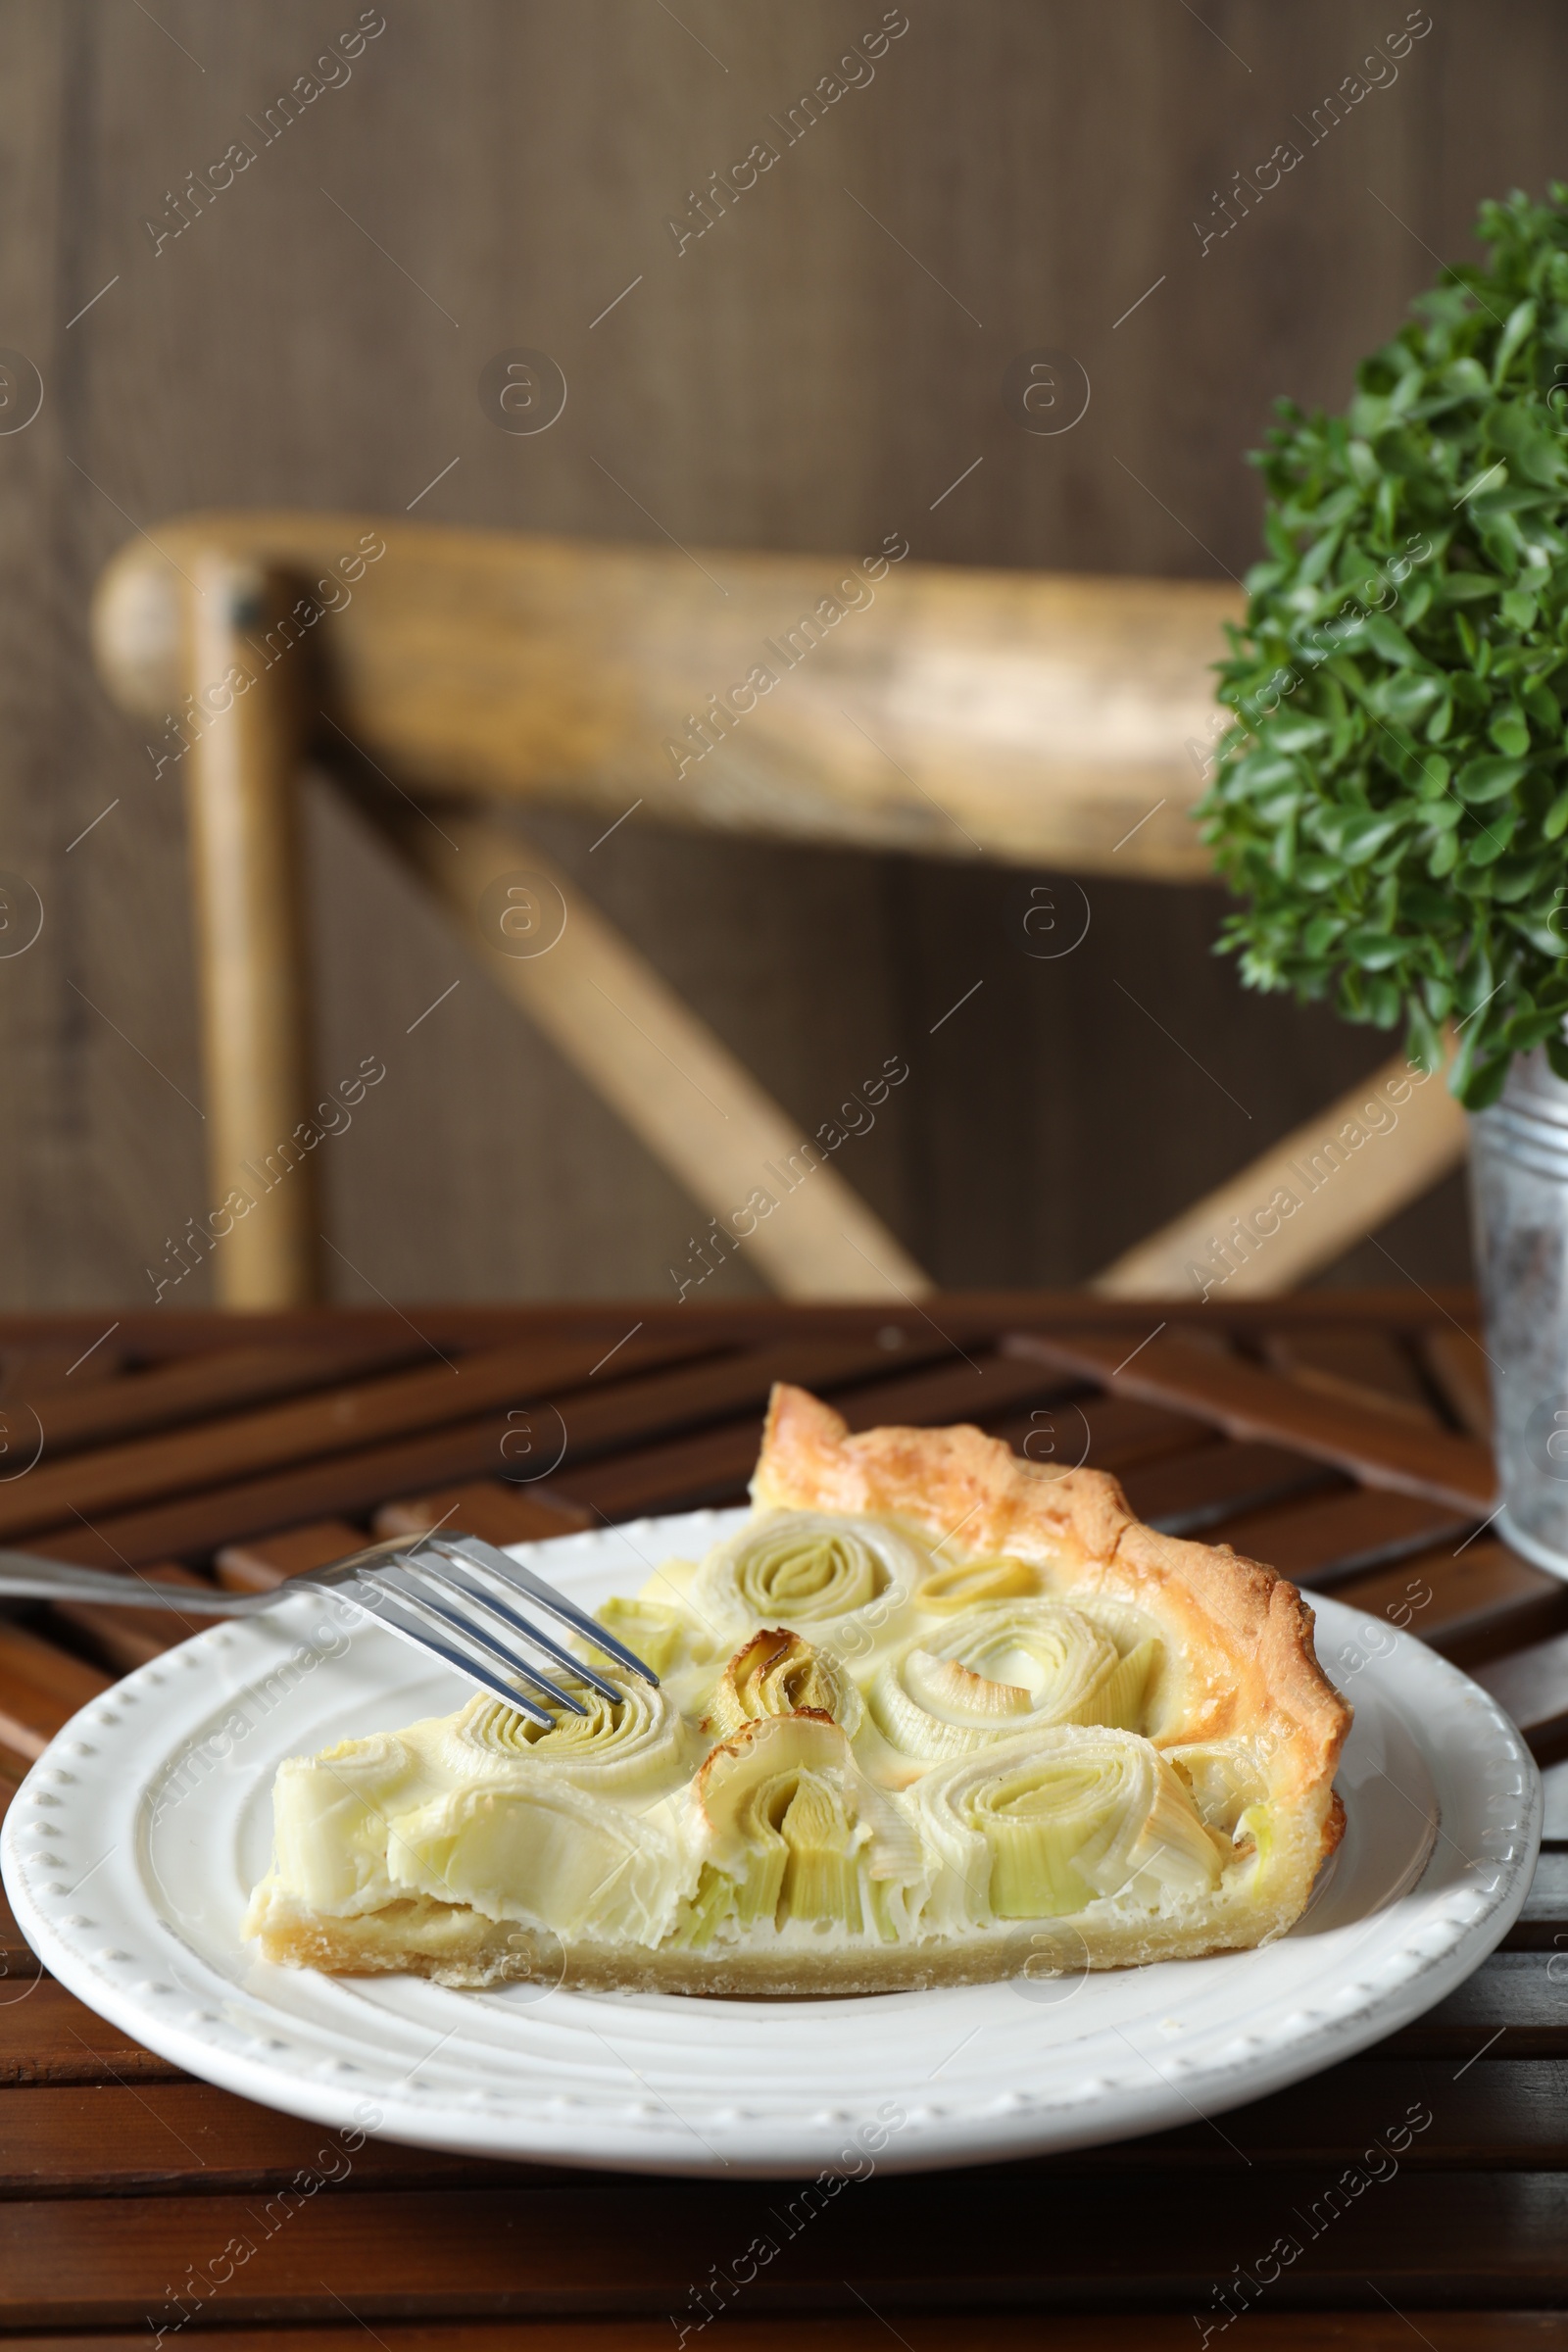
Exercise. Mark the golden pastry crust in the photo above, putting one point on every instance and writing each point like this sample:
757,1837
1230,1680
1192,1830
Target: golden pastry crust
455,1945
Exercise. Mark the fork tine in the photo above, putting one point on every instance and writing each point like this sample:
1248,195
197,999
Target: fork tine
523,1580
393,1580
470,1588
384,1609
408,1566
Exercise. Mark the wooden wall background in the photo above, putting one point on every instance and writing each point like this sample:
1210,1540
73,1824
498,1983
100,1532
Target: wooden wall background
796,379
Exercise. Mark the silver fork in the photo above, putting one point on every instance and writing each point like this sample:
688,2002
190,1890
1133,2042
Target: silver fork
454,1597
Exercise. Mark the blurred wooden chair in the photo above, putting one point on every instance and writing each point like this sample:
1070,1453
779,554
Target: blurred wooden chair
1041,720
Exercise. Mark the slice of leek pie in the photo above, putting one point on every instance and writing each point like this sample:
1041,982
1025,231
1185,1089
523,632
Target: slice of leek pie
932,1716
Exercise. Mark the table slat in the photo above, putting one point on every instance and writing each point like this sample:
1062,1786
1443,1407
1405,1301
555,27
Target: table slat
1456,1363
1514,2005
1382,1450
336,1421
40,1688
89,2139
973,1387
988,2331
361,1479
924,2243
121,1640
1319,1538
1361,1367
45,1367
1532,1685
48,2036
262,1563
487,1507
1187,1494
344,1486
1105,1433
97,2136
1470,1606
714,1467
199,1388
707,1471
1543,1924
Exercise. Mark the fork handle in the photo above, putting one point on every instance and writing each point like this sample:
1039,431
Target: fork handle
25,1576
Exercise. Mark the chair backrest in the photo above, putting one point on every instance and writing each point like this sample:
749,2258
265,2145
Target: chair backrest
1022,717
1053,722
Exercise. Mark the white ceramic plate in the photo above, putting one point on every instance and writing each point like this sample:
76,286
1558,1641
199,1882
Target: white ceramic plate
130,1849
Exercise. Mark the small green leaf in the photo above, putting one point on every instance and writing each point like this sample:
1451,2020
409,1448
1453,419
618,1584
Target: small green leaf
1374,950
1530,1028
1387,638
1488,779
1363,464
1422,1044
1261,772
1383,1000
1483,1085
1521,319
1510,730
1555,820
1282,856
1353,834
1493,841
1431,775
1297,734
1515,427
1465,379
1514,878
1409,693
1542,933
1417,596
1316,562
1466,587
1486,478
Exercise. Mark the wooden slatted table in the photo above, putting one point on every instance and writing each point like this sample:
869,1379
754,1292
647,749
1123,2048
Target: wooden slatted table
1340,1437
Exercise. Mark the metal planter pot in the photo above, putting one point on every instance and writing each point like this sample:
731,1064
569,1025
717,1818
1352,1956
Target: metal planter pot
1519,1196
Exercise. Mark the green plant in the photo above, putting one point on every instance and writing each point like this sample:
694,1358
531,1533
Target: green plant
1390,795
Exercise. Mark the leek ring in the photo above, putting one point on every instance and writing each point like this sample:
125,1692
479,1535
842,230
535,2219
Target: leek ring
1043,1826
1002,1668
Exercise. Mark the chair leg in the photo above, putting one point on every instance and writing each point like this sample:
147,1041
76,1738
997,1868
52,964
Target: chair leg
242,800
